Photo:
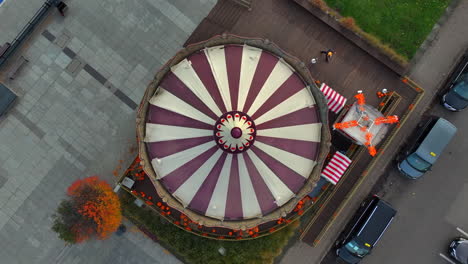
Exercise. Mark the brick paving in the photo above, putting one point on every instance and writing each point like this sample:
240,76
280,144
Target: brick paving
75,115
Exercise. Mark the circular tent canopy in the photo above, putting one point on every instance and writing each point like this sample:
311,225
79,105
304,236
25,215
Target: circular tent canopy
232,133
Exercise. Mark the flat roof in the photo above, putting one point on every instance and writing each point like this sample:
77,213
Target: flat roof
437,139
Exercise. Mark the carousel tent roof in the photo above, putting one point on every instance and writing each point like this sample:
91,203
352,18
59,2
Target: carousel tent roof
232,132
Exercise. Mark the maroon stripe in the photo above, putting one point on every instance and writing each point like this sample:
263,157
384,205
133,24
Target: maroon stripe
203,69
264,196
302,116
165,148
290,87
233,66
292,179
202,198
234,200
158,115
175,179
175,86
306,149
265,65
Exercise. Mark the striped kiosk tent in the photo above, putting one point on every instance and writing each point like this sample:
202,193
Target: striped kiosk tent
336,167
335,101
232,133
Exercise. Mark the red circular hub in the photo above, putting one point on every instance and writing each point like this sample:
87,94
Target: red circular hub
234,132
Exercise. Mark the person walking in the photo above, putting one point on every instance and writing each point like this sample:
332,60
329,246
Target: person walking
328,54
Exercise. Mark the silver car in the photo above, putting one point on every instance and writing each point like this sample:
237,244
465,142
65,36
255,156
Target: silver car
426,146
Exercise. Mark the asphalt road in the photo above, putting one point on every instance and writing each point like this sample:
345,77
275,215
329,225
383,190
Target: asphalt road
430,209
426,221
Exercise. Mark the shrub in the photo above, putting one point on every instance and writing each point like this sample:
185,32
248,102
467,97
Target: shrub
349,23
197,249
386,49
320,4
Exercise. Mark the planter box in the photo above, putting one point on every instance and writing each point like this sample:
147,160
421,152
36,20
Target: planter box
353,37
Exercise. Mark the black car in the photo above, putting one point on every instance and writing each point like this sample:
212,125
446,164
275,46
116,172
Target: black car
456,96
458,249
364,230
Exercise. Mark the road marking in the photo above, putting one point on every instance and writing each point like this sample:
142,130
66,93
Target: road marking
463,232
446,258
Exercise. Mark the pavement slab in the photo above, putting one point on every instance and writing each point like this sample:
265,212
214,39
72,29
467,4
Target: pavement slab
75,116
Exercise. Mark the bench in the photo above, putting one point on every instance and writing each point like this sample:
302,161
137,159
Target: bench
62,8
7,99
4,48
16,67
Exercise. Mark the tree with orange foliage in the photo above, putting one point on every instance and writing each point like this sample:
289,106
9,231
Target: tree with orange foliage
92,210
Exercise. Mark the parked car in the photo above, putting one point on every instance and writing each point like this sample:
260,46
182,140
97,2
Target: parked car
431,138
364,230
456,96
458,249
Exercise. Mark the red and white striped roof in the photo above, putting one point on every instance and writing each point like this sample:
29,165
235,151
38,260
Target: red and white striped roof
233,132
335,101
336,167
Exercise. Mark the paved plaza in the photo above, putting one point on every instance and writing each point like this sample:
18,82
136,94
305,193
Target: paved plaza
78,94
75,116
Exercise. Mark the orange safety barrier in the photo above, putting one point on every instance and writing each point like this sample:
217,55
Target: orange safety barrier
372,151
386,120
361,99
348,124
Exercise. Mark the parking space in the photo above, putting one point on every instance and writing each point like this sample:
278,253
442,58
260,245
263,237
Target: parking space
444,255
431,209
449,260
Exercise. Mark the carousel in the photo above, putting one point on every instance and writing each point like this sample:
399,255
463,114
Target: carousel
232,135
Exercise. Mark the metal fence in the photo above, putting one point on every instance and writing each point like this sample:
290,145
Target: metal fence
27,30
